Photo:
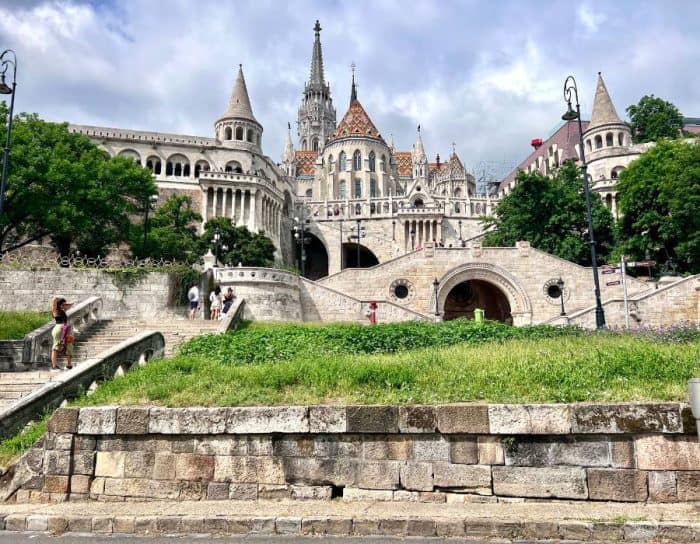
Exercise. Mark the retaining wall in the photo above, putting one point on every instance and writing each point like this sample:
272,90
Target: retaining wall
447,453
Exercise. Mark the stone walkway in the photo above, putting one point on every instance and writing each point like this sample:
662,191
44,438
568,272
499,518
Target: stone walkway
547,520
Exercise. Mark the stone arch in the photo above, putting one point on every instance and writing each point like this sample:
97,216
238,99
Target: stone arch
519,302
233,166
350,256
317,254
153,164
130,154
177,165
228,133
201,166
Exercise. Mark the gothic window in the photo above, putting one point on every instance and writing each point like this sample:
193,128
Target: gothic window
372,161
373,188
457,208
358,188
239,133
178,169
330,163
342,166
609,139
383,165
153,164
372,208
169,169
130,154
458,193
358,209
309,193
588,144
620,139
228,133
598,142
314,144
357,160
303,145
608,201
342,190
186,170
250,135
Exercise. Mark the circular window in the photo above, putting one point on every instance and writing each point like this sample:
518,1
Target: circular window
554,292
401,291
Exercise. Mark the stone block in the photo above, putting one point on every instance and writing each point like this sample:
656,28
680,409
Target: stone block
670,531
564,450
625,485
490,449
579,531
312,492
64,420
102,524
84,462
644,531
372,419
132,420
84,443
392,527
57,462
258,445
688,485
274,492
662,486
217,491
269,470
189,466
56,484
606,531
346,446
450,528
417,419
432,496
182,444
421,527
263,420
243,492
57,525
388,447
365,527
545,482
546,419
63,441
97,420
463,449
327,419
320,471
354,494
326,526
417,476
462,418
80,483
690,425
192,490
622,452
98,486
36,522
110,464
430,448
221,445
663,452
79,524
139,464
164,466
123,525
293,446
540,530
145,525
262,526
473,477
187,420
288,526
626,418
378,474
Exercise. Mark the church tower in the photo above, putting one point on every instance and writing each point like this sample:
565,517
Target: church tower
316,119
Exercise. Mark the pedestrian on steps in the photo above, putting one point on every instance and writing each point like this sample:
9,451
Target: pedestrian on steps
61,334
193,297
215,303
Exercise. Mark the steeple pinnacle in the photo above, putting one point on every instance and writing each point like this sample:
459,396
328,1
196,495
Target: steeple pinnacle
316,79
418,150
288,156
239,104
353,90
603,109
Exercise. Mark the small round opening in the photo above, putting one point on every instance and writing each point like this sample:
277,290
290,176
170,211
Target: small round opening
401,291
553,291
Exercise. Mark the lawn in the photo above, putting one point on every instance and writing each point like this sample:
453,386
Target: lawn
14,325
412,363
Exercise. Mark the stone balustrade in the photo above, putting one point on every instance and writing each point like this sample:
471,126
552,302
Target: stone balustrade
443,453
233,275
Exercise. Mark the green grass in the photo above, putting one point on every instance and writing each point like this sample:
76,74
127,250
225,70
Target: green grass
15,325
15,446
292,364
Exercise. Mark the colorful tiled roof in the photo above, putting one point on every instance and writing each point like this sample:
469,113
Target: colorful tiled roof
404,163
306,161
356,122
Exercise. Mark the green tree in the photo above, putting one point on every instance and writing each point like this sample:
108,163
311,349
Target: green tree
248,248
654,118
172,232
550,213
659,199
62,186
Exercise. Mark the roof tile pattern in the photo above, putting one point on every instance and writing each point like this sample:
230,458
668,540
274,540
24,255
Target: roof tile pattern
404,163
356,122
306,161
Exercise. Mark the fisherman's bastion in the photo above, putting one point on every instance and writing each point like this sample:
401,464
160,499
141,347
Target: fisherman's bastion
372,223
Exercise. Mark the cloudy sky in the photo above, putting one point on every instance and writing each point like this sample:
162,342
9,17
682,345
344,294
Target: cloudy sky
486,75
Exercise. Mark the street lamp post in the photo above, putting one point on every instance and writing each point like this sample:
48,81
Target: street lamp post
216,240
152,199
413,239
571,91
300,237
560,284
5,63
359,233
436,284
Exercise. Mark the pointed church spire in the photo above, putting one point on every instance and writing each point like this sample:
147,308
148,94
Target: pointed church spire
239,104
418,150
288,156
353,90
603,109
316,79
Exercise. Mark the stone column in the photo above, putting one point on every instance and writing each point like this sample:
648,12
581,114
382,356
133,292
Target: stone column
205,206
215,202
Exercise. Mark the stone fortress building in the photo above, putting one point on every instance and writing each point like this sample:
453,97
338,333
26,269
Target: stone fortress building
354,202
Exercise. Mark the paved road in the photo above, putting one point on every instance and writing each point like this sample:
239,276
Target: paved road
34,538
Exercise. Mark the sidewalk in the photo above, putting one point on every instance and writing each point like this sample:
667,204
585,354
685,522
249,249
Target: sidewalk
546,520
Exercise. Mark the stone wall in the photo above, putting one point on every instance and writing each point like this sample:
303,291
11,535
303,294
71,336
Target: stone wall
446,453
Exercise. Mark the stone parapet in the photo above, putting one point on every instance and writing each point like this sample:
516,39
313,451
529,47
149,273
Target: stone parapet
445,453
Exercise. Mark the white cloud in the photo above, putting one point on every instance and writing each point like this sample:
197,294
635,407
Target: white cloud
590,19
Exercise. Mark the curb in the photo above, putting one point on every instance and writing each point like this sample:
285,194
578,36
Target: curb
572,531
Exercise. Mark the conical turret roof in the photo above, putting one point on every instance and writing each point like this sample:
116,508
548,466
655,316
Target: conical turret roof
356,122
239,104
418,150
316,78
288,155
603,109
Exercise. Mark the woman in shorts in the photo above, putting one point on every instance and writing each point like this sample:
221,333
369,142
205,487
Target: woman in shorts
61,333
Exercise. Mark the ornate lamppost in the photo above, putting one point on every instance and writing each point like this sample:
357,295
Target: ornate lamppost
358,233
7,58
571,91
216,240
560,284
436,284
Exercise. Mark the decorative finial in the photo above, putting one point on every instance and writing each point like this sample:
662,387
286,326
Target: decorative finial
289,126
353,91
453,148
419,128
317,27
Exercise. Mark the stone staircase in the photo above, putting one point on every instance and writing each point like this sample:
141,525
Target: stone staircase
15,385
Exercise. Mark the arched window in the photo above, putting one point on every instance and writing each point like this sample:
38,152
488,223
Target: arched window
608,201
234,167
314,144
186,170
588,144
228,133
200,166
609,139
153,164
250,135
457,208
330,163
130,154
458,192
620,139
598,142
383,165
178,169
418,203
178,165
303,145
342,162
616,172
358,188
372,188
358,209
169,169
342,190
309,193
357,160
372,161
239,133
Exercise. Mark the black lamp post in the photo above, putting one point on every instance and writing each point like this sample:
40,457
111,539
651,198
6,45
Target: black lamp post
5,63
358,233
436,284
300,237
571,91
216,240
560,284
152,199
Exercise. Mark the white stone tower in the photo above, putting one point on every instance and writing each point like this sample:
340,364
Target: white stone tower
288,157
238,128
419,161
316,119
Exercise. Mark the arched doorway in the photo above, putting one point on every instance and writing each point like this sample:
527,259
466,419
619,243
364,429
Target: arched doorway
350,256
468,295
316,266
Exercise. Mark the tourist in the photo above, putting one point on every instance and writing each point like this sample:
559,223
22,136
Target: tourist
61,334
215,303
193,297
228,300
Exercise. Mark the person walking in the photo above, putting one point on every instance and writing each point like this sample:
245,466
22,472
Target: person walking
193,297
215,303
61,334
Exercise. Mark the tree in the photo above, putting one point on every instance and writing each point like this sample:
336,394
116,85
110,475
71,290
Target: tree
172,233
62,186
248,248
659,199
653,118
550,213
